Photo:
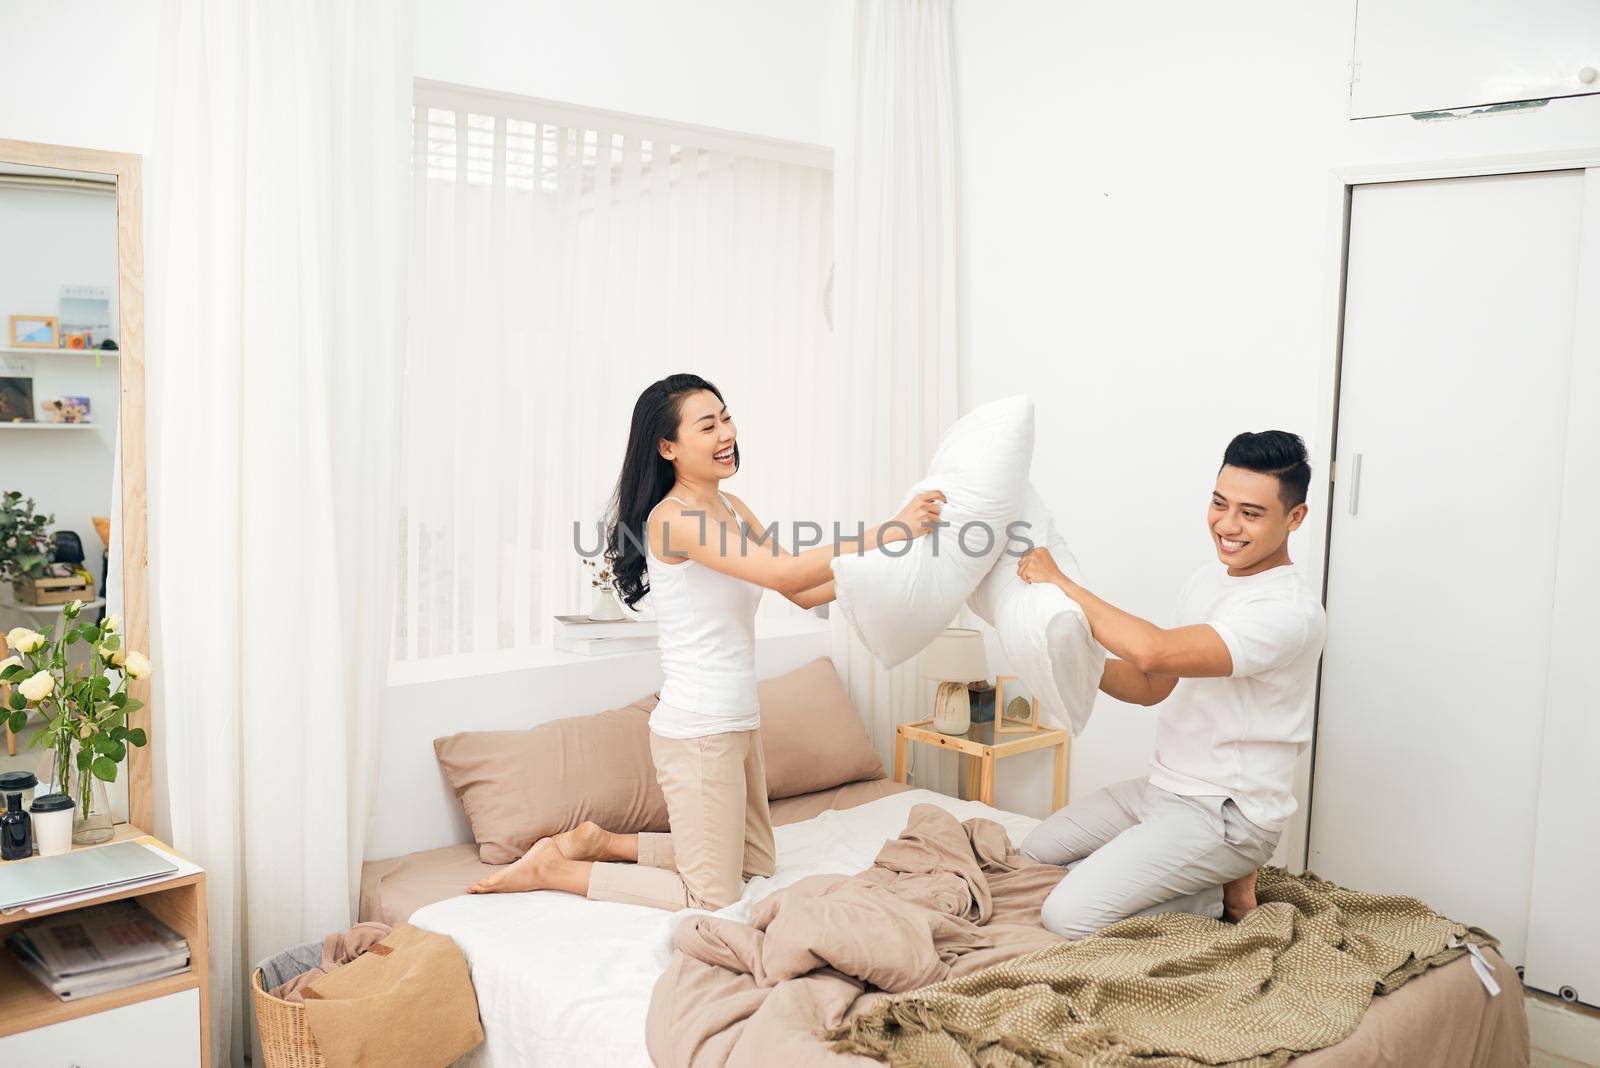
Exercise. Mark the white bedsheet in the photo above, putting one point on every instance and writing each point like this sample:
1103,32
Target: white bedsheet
566,981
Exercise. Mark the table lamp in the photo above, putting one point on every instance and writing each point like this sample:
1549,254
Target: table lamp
954,659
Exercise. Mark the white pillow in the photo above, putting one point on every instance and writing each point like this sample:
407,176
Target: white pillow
898,598
1043,632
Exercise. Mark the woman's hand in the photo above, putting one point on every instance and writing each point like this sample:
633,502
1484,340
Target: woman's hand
919,516
1039,566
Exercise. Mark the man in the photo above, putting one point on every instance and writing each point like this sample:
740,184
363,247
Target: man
1234,680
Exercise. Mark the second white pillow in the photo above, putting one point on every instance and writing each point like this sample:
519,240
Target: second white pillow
1043,633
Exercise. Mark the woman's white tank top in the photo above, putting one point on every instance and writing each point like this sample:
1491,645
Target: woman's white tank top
706,627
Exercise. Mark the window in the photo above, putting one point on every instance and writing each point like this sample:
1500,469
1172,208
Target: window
563,258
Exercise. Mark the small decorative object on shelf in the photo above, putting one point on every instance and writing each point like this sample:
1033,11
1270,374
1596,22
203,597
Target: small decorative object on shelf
982,695
35,332
86,313
67,410
954,660
85,709
603,606
1016,708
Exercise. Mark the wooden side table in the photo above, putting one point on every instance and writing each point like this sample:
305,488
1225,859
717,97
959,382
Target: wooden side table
981,747
160,1022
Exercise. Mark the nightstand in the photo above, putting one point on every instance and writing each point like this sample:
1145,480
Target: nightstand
162,1023
982,747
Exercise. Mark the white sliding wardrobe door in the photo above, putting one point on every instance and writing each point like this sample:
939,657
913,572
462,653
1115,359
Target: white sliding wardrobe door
1460,298
1563,940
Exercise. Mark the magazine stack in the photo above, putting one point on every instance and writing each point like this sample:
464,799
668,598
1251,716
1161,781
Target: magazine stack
96,950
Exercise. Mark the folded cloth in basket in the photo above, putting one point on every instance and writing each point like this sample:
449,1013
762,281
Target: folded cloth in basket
407,1000
338,949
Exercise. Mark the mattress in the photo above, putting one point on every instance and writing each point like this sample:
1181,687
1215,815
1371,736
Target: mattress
392,889
565,981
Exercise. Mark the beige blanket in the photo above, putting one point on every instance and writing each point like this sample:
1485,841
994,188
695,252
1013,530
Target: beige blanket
948,912
944,899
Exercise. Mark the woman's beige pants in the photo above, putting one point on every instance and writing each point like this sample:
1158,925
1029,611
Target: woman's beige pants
716,791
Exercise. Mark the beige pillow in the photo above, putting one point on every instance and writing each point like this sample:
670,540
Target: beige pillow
811,736
520,786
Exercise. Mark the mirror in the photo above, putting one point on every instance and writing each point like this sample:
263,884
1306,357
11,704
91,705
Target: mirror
67,273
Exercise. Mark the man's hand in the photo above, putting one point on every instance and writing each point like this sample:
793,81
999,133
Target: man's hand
1039,566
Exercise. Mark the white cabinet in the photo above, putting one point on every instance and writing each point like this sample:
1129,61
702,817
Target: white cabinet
160,1033
1456,732
1433,55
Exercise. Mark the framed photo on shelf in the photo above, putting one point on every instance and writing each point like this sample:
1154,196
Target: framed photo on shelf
1016,708
16,400
35,332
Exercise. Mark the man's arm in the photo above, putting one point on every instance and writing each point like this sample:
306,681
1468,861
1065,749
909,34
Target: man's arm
1196,652
1127,683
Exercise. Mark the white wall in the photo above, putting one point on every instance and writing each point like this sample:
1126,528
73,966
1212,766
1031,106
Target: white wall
1146,248
81,74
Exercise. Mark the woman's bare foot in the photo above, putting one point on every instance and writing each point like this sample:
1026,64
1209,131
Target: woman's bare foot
1239,898
531,871
587,841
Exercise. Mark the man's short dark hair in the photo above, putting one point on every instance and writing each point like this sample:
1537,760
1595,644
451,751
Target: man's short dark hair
1273,452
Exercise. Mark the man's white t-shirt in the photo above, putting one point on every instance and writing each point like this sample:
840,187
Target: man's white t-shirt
1241,736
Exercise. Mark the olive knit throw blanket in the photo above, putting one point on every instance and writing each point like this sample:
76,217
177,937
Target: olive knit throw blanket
1296,975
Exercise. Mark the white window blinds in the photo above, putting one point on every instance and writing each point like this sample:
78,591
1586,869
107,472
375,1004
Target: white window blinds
563,259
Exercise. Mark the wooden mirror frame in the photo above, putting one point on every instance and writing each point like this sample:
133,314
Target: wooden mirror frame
131,426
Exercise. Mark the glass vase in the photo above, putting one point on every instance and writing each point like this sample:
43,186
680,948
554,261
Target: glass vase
91,814
91,822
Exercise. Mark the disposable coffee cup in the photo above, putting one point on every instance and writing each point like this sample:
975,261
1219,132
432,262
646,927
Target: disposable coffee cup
18,782
52,824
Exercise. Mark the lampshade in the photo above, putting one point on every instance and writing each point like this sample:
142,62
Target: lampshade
956,655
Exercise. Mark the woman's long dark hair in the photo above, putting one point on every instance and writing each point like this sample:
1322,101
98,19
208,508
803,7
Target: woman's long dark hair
646,477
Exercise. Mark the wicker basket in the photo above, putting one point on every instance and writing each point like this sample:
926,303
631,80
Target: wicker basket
286,1040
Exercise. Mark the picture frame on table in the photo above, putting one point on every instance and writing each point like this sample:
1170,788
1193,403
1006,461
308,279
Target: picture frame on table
1016,707
35,332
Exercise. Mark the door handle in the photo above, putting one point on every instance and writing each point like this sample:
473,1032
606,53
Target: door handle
1355,483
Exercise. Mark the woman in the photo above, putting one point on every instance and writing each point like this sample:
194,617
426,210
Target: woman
704,558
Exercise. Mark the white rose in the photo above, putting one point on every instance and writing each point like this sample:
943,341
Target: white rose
114,622
24,640
37,687
10,661
118,657
75,607
137,665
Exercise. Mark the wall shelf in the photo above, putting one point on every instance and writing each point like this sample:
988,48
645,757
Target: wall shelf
49,426
25,350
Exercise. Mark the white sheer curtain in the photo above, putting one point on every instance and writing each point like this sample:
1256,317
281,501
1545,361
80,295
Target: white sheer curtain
564,258
896,298
276,250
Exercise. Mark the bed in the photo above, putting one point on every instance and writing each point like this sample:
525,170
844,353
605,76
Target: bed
561,980
564,981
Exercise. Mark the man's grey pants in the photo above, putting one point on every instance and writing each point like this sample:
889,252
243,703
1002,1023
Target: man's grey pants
1136,850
